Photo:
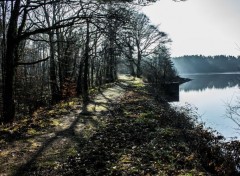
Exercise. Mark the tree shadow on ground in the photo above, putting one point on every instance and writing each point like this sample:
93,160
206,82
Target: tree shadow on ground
145,138
32,165
79,139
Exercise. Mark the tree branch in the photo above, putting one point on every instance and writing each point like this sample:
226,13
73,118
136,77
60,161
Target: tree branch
32,63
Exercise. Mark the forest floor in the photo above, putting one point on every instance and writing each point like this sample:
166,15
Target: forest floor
126,132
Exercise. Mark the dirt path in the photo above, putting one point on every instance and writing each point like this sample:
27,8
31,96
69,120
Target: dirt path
51,146
126,132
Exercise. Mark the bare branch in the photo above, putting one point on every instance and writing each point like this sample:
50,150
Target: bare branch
32,63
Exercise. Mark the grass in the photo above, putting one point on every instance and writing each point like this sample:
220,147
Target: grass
139,136
148,138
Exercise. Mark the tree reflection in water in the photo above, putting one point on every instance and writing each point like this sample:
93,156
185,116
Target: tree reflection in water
201,82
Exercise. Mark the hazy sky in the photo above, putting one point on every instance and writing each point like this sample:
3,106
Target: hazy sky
208,27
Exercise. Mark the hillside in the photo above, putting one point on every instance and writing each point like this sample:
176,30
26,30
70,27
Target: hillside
204,64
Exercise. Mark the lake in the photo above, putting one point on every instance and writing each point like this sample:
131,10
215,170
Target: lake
210,93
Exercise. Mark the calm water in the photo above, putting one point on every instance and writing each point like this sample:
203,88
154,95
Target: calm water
210,94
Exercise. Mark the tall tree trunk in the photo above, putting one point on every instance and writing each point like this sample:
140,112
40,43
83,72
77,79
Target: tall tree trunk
92,73
60,60
139,58
110,65
8,80
79,80
130,60
131,67
3,50
9,65
111,70
86,67
85,93
56,95
55,92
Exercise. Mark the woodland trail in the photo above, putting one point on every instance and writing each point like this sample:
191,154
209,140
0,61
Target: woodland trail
69,129
126,132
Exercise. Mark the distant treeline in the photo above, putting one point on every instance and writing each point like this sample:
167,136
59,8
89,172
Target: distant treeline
206,64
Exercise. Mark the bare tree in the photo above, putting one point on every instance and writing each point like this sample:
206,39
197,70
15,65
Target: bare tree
19,27
94,50
233,112
140,39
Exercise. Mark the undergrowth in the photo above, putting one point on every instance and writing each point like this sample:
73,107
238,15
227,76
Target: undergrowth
144,137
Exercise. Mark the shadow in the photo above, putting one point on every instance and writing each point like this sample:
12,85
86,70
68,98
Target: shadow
112,145
137,143
22,170
171,92
70,133
124,86
110,106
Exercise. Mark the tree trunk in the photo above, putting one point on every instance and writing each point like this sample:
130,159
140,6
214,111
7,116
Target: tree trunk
86,67
111,70
8,80
92,73
9,66
131,61
132,71
60,60
139,58
85,93
110,65
56,95
79,80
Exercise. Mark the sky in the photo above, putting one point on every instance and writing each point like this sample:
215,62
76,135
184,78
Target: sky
207,27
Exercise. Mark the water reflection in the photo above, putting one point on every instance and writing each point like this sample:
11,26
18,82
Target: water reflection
217,81
210,93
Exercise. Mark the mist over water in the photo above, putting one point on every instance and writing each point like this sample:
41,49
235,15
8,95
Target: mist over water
210,94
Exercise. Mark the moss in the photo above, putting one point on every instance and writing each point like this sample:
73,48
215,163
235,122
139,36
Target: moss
55,122
31,131
47,164
72,151
148,114
99,108
137,82
4,153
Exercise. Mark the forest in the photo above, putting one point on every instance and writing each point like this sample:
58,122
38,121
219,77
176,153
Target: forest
80,94
206,64
52,50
